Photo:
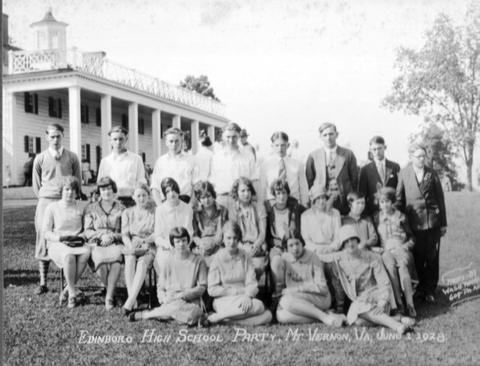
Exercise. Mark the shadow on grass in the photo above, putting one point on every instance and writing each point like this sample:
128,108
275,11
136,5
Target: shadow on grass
442,305
20,277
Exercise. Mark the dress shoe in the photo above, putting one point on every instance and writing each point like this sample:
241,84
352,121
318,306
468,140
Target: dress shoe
42,289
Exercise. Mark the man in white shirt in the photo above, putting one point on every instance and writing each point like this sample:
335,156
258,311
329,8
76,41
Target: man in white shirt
379,173
175,164
281,166
229,164
203,158
123,166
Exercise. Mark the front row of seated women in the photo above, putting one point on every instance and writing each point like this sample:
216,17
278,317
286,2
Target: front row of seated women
137,235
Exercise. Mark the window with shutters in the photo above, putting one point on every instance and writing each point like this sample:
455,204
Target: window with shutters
141,126
99,155
84,114
33,145
31,102
84,152
54,107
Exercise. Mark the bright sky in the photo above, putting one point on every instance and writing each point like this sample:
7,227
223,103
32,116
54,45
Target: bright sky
276,64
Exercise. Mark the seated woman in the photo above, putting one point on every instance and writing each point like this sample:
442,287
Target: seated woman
232,282
208,220
172,213
305,296
366,283
397,241
103,231
181,284
320,228
62,228
252,220
283,213
137,234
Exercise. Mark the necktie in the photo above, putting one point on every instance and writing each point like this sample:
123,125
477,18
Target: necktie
332,159
282,171
381,172
57,155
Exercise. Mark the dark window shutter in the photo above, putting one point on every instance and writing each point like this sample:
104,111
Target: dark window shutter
99,117
50,106
99,155
25,143
144,157
86,113
38,145
35,100
26,100
87,148
59,108
124,121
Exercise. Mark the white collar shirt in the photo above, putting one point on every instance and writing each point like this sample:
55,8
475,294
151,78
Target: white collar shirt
227,166
203,160
419,173
126,170
56,153
181,168
296,178
328,153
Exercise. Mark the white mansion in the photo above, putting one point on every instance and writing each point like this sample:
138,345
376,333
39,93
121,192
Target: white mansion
88,94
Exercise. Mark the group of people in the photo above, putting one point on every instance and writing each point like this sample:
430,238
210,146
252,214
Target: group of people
340,245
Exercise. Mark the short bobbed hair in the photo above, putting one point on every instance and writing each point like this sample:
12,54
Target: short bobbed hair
169,182
142,186
202,187
236,184
353,196
291,234
178,232
70,182
105,182
386,192
233,226
279,185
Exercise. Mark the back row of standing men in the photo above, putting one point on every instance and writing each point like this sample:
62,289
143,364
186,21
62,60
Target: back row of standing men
419,192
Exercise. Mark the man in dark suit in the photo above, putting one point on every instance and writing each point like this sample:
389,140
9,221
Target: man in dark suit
333,167
377,174
420,196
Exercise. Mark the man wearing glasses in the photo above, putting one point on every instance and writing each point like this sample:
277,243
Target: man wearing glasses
420,196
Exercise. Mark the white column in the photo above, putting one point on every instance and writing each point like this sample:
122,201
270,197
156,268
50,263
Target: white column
176,121
106,115
74,110
211,133
156,130
133,127
14,162
195,133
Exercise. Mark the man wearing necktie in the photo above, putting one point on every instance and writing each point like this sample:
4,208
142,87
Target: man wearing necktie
281,166
377,174
49,168
334,168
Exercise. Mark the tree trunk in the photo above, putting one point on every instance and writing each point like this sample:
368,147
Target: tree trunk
469,162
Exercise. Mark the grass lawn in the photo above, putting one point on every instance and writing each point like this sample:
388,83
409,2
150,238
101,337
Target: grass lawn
38,331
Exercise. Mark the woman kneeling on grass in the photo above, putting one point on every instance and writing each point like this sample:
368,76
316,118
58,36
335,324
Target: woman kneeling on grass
63,229
232,282
181,283
103,231
366,283
138,236
305,296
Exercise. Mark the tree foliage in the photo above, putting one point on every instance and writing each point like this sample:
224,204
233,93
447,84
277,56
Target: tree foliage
201,85
441,82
